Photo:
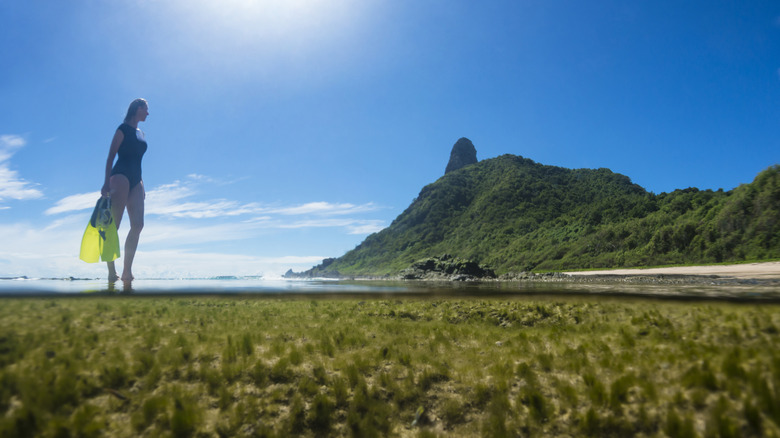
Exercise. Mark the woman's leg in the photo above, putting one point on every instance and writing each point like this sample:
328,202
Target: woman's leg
119,190
135,212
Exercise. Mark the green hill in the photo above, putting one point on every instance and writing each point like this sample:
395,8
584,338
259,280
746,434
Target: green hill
517,215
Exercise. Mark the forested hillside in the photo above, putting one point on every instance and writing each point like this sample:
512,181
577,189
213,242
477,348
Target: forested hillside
517,215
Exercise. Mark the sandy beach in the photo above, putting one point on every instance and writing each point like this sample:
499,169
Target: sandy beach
766,270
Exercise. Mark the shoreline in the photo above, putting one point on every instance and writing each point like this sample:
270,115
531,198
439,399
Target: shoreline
744,271
759,275
745,274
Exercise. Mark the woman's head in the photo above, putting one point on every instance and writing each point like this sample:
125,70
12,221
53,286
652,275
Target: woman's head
135,105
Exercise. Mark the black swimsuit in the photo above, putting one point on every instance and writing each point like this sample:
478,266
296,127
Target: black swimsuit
130,153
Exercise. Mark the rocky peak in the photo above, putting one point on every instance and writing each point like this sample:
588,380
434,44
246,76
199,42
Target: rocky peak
463,153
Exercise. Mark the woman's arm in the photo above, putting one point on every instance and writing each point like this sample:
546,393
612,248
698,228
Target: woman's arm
115,143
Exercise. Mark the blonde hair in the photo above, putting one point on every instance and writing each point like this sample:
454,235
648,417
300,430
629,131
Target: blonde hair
134,105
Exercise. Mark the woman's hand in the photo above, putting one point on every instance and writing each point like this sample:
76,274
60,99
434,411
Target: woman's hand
105,191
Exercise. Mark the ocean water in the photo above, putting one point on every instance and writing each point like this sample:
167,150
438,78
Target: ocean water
25,287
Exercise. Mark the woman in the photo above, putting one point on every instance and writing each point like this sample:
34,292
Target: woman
124,185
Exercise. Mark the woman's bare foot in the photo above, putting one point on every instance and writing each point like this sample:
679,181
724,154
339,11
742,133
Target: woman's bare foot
112,276
127,279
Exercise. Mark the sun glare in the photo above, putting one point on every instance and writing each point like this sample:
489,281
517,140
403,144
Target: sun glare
283,22
255,39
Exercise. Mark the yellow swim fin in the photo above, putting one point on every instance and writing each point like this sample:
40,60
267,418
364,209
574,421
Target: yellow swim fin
100,240
90,245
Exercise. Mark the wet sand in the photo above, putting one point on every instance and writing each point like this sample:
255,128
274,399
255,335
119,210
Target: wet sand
758,271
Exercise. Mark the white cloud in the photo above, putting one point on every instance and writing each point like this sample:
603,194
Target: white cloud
11,185
185,235
201,210
170,247
166,200
176,233
168,193
11,142
81,201
325,208
354,226
52,251
172,200
197,176
34,251
367,227
191,264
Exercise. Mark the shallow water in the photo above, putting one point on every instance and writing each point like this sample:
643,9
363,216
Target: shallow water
256,286
186,286
323,288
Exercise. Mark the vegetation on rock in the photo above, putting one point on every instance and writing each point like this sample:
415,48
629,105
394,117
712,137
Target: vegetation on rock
447,267
517,215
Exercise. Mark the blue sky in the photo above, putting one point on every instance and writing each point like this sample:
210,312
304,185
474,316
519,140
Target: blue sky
285,131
